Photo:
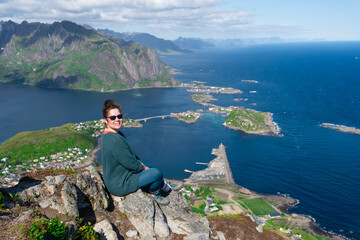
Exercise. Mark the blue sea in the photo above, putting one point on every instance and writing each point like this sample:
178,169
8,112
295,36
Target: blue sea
302,84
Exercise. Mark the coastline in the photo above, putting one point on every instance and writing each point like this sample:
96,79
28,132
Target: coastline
220,167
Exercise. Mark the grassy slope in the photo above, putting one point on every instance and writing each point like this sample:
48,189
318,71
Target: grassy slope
27,146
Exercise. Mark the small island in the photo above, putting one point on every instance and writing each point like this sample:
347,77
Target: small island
252,122
202,98
200,88
250,81
188,116
341,128
131,123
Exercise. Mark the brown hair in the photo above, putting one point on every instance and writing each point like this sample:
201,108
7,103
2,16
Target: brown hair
108,105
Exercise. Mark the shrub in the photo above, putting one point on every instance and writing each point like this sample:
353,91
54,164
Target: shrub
48,229
87,232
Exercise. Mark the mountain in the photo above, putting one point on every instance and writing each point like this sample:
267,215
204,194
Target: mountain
193,43
67,55
160,45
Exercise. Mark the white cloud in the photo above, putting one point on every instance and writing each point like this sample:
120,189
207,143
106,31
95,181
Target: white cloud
167,18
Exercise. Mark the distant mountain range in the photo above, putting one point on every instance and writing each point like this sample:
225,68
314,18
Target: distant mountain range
162,46
186,45
67,55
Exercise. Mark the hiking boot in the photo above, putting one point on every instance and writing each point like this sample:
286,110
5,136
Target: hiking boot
176,187
160,199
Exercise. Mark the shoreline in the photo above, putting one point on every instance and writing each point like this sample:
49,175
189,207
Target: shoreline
285,201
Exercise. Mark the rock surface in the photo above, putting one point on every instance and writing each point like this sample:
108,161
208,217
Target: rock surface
84,195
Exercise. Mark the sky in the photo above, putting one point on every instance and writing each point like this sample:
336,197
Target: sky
330,20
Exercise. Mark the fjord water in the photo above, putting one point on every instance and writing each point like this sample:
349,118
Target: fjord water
303,84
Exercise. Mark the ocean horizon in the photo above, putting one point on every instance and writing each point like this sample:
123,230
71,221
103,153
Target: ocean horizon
302,84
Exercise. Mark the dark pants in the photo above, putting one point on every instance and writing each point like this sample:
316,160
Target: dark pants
151,180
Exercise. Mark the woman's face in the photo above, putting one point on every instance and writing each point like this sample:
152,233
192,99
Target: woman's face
113,124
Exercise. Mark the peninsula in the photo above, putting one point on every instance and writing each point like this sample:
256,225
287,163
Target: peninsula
341,128
212,192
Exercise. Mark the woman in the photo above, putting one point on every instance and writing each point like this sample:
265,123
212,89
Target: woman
123,171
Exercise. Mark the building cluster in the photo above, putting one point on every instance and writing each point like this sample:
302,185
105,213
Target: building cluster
96,125
211,89
210,203
189,114
61,160
218,109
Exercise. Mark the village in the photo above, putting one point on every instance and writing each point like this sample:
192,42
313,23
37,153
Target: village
71,158
211,89
188,116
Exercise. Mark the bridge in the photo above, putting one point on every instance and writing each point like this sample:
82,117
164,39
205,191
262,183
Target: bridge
148,118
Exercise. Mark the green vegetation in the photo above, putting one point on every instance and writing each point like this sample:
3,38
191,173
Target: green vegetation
82,59
186,117
48,229
131,123
247,119
145,83
65,143
199,210
276,223
307,236
2,201
69,171
202,98
26,146
44,228
87,232
203,192
258,206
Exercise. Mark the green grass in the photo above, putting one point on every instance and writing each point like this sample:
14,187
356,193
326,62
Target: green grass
307,236
200,209
278,222
27,146
187,118
201,97
258,206
241,118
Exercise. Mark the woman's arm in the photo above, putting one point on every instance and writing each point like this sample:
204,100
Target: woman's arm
125,156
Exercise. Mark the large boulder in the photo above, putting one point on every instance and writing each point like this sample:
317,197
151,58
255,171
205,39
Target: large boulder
92,185
153,221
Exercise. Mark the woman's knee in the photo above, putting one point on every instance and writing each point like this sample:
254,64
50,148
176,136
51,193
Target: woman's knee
157,174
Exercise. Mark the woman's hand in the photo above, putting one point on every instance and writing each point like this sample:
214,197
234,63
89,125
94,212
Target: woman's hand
144,167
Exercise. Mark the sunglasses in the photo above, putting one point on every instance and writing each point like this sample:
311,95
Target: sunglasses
112,118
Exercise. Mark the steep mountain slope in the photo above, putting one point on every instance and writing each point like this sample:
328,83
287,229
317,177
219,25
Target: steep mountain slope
67,55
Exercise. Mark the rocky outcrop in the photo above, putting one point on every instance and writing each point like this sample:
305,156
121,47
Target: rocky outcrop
84,195
67,55
151,220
